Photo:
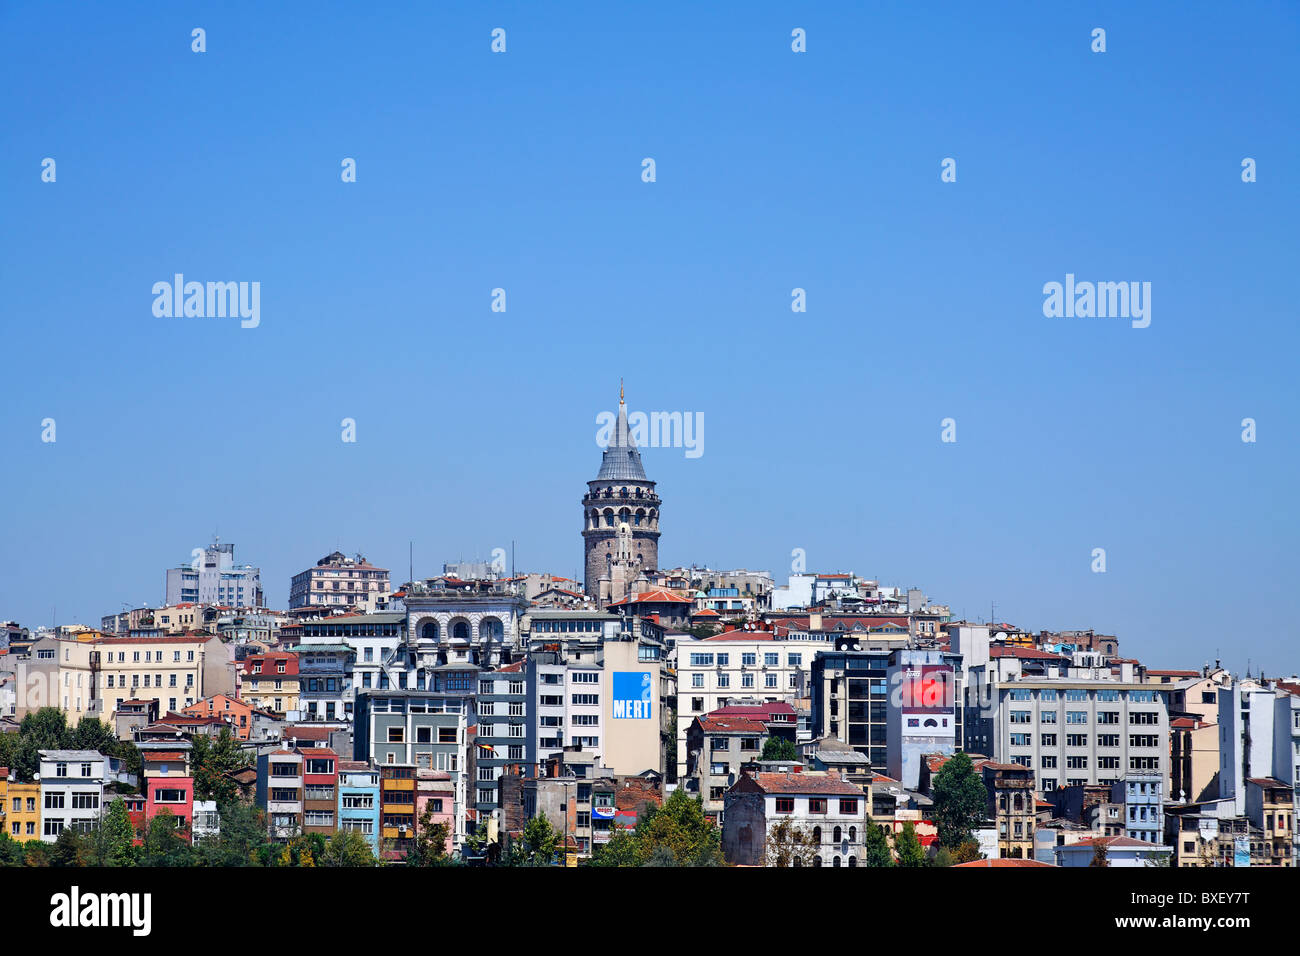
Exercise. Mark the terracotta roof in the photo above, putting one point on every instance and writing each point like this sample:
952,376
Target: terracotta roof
731,725
1267,782
655,596
303,732
1114,843
767,710
996,862
829,782
156,756
741,636
1156,673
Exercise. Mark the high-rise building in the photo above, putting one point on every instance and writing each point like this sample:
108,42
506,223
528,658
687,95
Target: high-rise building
214,578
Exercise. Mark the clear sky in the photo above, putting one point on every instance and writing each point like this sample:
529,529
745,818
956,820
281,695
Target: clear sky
775,170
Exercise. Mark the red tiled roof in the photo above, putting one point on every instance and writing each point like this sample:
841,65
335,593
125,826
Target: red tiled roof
997,862
731,725
655,596
767,710
828,783
1025,653
1267,782
1156,673
742,636
303,732
155,756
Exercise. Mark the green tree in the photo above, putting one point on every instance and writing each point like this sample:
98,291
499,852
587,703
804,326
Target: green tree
241,840
622,849
789,845
960,801
36,853
43,729
211,760
681,828
72,848
877,846
164,844
538,845
429,848
114,839
347,848
779,748
910,851
11,851
91,733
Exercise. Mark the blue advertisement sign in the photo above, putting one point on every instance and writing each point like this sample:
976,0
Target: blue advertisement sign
632,695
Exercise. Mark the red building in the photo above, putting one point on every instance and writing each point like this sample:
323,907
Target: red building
168,784
320,799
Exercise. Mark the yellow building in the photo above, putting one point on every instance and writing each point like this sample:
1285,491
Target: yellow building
22,810
89,677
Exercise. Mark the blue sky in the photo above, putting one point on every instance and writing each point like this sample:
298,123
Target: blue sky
775,170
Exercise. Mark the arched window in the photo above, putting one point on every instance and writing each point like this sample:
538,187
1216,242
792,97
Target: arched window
429,631
839,834
797,862
460,631
853,836
817,836
817,861
835,861
853,861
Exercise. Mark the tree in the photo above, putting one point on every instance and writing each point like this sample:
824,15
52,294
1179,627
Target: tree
779,748
877,845
960,801
347,848
910,851
241,840
681,827
967,852
115,837
1099,853
538,845
11,851
211,760
164,844
789,845
72,848
430,845
622,849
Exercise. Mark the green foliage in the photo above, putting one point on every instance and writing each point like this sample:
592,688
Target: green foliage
47,729
676,834
241,841
72,848
347,848
1099,854
211,760
114,838
430,845
11,851
910,851
877,846
960,801
539,845
164,844
778,748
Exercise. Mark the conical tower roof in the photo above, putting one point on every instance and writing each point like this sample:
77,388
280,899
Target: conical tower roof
621,461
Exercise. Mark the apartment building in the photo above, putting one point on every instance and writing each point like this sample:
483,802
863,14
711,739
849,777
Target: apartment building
716,671
320,799
325,690
820,803
168,783
1141,796
720,743
270,682
1072,731
212,577
397,810
20,808
235,713
337,581
72,791
1270,807
358,809
94,676
279,793
501,706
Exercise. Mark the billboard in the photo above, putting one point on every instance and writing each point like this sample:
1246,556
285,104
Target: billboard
928,689
633,697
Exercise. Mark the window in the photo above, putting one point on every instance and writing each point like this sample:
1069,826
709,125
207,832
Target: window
446,735
1048,740
748,659
785,804
848,807
1020,716
1021,740
1047,762
697,680
396,735
586,699
54,801
1047,717
771,660
1076,716
1108,716
1076,740
794,660
816,804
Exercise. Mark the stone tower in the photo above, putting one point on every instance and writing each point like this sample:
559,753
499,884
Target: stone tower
621,494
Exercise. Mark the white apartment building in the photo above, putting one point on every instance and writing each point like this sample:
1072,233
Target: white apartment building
734,666
72,791
212,577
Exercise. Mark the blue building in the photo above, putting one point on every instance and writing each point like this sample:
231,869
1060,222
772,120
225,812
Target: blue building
359,800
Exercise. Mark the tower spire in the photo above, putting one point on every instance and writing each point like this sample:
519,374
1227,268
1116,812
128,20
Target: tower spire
620,391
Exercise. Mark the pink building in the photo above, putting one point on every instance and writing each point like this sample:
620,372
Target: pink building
168,785
436,788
